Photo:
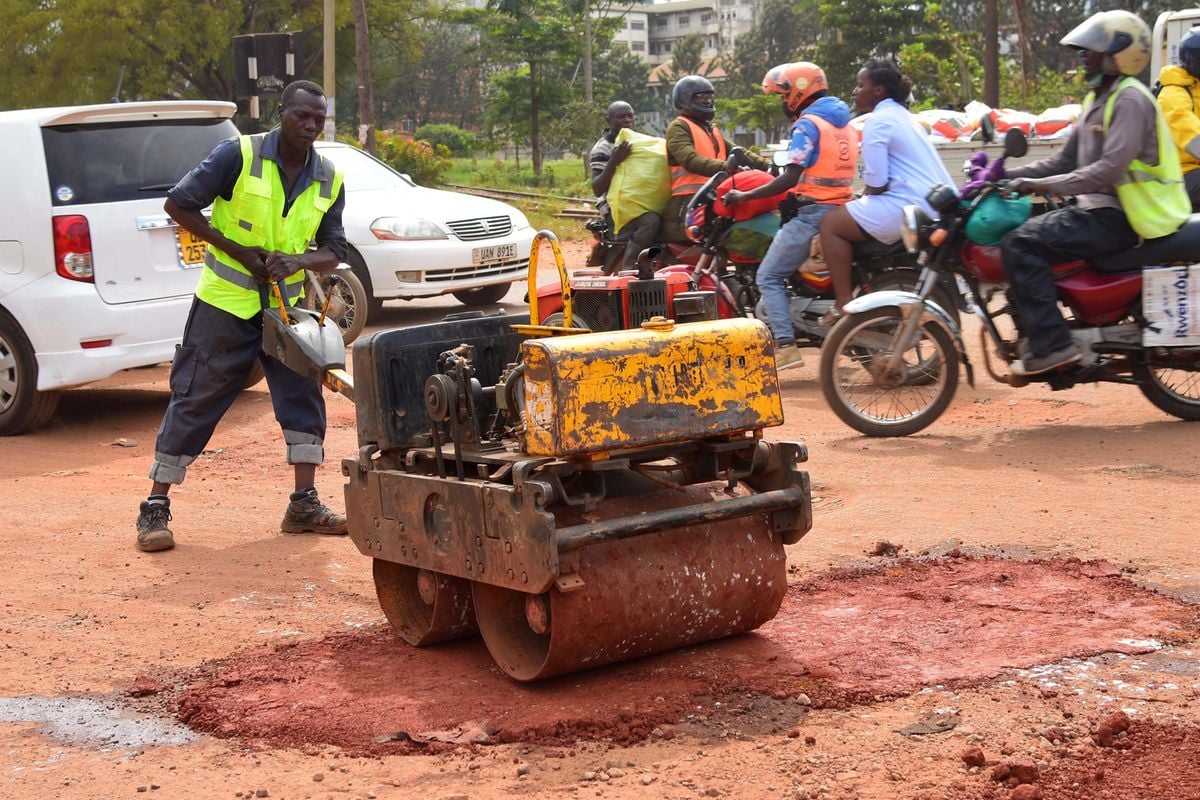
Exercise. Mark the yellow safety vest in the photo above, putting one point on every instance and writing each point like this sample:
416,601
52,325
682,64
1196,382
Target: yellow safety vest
253,216
1153,197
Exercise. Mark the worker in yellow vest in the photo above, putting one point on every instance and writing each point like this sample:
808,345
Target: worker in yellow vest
272,195
1121,166
696,151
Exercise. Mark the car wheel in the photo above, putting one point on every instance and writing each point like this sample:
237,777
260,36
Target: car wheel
22,407
347,300
374,305
484,295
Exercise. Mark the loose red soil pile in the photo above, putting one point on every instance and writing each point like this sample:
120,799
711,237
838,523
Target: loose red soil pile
849,636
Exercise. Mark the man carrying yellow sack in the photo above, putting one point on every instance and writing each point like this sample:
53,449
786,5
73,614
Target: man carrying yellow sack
608,154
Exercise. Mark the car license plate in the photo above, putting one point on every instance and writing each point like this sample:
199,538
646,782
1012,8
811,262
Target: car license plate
191,248
488,255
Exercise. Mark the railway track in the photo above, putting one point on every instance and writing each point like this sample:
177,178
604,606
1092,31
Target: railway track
581,208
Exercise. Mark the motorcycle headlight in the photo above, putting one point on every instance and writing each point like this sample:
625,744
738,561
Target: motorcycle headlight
914,229
942,198
406,229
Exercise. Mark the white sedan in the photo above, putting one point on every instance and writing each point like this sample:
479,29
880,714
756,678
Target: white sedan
407,241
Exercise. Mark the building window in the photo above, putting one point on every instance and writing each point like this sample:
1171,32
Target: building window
683,20
705,18
660,22
639,46
638,25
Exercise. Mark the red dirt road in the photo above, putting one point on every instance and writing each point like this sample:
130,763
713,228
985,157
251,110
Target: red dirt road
1089,495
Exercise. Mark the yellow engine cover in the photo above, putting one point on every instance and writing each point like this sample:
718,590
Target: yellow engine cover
664,383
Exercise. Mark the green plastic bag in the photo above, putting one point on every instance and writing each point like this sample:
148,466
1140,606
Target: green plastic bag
642,182
995,216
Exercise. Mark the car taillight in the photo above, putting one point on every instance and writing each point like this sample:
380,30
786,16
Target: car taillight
73,248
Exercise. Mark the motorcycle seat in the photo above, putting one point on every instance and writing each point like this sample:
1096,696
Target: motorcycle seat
1183,245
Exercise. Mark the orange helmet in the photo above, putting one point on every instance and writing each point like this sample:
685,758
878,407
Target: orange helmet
796,83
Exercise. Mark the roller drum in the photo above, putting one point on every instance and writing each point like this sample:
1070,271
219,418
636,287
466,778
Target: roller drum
640,595
424,607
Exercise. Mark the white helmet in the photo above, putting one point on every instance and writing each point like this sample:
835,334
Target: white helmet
1121,36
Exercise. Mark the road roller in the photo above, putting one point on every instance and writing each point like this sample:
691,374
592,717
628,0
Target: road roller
575,498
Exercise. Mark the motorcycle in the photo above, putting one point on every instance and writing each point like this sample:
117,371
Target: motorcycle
729,244
876,267
890,365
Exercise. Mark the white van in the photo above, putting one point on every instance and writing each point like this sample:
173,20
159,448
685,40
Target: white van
94,276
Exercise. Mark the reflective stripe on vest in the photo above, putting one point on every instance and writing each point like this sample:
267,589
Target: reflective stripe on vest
292,291
253,217
684,182
830,179
1153,197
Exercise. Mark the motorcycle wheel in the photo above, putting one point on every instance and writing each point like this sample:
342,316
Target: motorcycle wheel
872,398
347,300
1173,386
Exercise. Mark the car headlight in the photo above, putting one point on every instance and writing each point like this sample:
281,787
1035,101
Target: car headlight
910,227
519,221
406,229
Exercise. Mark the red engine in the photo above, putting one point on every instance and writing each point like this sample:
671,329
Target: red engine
615,302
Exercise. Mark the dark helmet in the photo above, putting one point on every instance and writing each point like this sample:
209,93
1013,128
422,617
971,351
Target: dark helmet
685,89
1189,52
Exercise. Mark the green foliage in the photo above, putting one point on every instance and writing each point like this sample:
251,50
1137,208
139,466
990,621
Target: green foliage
685,56
758,112
424,163
576,129
856,32
452,137
943,63
785,31
620,75
1049,90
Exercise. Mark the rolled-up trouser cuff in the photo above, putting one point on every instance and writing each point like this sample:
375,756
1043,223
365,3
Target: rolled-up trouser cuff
168,468
304,448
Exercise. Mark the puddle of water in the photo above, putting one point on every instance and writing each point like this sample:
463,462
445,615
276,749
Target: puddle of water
101,722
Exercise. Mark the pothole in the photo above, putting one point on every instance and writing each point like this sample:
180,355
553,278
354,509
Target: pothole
846,637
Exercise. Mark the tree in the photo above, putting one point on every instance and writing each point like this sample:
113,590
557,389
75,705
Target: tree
621,75
544,36
786,30
852,33
686,58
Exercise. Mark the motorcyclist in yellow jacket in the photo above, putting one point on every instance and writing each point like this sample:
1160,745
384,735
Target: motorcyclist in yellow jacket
1179,99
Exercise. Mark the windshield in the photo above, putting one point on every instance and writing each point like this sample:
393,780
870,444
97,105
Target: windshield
361,171
105,163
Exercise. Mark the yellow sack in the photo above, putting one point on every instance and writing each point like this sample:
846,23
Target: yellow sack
642,182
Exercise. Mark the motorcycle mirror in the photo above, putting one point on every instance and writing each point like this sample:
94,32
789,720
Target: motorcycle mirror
1015,143
708,191
779,158
987,128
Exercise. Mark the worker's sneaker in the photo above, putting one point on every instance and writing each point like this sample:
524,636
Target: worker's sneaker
788,355
152,531
1036,365
307,514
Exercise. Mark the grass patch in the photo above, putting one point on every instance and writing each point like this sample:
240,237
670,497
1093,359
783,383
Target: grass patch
559,180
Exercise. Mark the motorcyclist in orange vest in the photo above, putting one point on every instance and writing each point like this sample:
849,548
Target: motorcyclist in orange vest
696,151
821,162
